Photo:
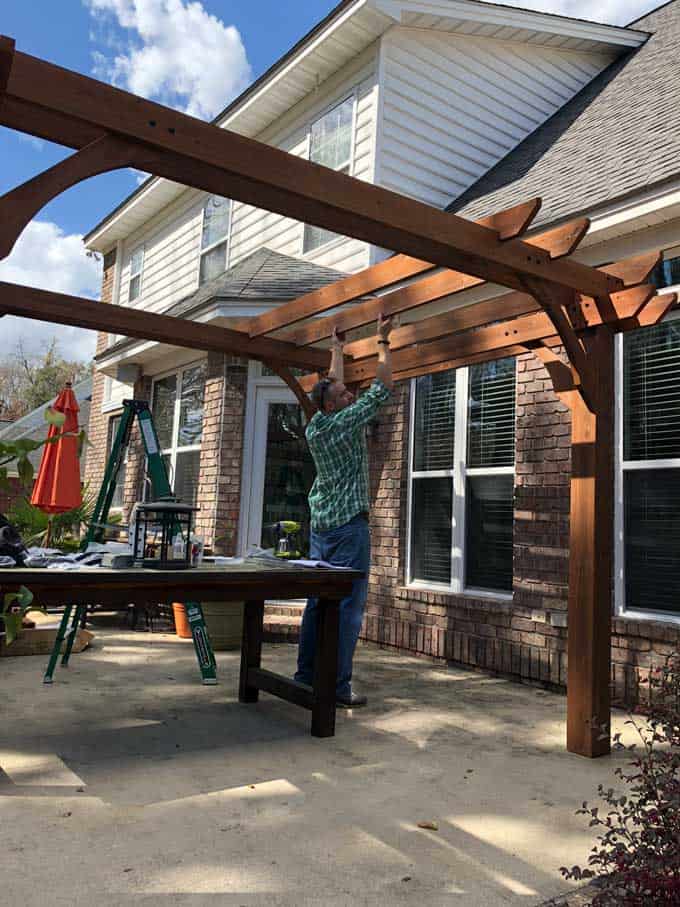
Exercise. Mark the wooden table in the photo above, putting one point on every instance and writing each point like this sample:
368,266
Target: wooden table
252,582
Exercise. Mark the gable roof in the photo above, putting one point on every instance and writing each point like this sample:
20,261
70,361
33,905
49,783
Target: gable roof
619,135
347,30
264,275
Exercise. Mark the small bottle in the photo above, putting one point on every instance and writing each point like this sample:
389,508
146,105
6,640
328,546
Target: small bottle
178,548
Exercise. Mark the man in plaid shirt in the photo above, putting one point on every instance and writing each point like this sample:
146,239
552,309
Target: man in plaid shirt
339,503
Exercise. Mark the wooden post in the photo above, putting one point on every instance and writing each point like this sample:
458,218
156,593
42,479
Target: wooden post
591,554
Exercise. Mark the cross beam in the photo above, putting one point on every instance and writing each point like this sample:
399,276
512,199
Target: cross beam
200,154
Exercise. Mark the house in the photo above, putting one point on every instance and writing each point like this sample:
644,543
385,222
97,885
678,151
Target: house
472,107
33,427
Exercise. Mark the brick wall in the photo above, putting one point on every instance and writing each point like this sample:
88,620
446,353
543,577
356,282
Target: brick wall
219,490
527,637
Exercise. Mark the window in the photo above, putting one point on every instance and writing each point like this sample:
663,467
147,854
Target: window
462,478
214,238
177,408
117,499
330,144
649,545
136,265
666,273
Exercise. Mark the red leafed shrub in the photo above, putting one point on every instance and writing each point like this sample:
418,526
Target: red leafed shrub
636,861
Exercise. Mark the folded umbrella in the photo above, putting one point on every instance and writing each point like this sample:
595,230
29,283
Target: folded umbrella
57,485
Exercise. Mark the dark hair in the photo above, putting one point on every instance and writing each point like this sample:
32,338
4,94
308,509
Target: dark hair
320,390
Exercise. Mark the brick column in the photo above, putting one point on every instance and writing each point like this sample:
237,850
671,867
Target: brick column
219,490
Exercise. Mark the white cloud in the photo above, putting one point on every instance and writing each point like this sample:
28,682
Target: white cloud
611,12
47,258
177,53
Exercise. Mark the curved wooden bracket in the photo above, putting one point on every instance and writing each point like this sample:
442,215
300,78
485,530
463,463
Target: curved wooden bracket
286,375
555,301
20,205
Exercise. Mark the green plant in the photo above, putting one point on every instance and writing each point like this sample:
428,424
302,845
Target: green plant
16,606
34,524
637,857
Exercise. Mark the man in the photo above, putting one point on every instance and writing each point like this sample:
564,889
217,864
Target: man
338,502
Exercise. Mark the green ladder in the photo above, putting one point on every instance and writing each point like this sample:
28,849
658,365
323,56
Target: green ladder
162,490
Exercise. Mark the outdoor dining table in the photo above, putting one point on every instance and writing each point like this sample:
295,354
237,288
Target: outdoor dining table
252,582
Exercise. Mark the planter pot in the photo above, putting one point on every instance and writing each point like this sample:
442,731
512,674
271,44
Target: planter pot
224,621
182,627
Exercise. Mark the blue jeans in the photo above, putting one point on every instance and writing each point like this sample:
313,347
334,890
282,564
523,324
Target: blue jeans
346,546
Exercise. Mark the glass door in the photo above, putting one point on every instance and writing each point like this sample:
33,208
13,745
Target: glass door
283,470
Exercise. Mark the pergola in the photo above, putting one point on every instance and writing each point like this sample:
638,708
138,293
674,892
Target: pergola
564,311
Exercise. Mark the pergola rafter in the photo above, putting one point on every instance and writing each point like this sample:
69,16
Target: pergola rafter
556,303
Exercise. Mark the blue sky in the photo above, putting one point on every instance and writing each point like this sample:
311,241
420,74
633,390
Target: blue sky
196,55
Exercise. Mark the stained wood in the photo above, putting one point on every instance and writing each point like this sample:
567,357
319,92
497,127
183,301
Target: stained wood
508,223
295,187
591,556
556,242
63,309
251,649
325,669
20,205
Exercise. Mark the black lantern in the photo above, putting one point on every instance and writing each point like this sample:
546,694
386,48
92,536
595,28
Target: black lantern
160,533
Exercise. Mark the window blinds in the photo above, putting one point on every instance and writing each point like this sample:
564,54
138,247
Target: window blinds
431,530
652,539
491,414
651,393
434,422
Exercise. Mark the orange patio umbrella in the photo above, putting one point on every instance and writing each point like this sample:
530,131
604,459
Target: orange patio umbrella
57,485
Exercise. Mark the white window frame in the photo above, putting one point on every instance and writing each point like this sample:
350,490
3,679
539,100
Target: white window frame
353,96
225,239
176,449
458,475
622,466
133,274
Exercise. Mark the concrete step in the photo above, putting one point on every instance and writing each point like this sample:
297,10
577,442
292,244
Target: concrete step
282,621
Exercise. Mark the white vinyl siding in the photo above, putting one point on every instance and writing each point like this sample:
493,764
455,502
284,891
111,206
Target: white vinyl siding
461,479
453,106
172,239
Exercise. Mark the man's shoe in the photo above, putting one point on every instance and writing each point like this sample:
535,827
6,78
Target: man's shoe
353,701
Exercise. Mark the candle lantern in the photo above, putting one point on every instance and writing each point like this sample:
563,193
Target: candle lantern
160,533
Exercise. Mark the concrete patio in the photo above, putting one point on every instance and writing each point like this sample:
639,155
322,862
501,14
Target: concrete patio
129,783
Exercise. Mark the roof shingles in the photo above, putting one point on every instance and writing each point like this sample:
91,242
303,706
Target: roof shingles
620,134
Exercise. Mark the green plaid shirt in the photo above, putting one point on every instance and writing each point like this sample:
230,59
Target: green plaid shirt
338,445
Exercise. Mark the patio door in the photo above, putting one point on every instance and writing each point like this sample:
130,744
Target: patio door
282,467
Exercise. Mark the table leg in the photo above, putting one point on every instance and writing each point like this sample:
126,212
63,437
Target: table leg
251,648
325,668
71,636
61,633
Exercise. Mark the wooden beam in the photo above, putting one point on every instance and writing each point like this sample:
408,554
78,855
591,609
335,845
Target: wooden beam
651,313
626,305
429,289
59,308
254,172
308,408
591,539
507,224
21,204
7,49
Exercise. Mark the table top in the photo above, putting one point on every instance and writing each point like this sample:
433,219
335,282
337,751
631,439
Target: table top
249,580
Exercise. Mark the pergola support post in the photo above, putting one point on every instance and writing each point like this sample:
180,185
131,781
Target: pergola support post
591,554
